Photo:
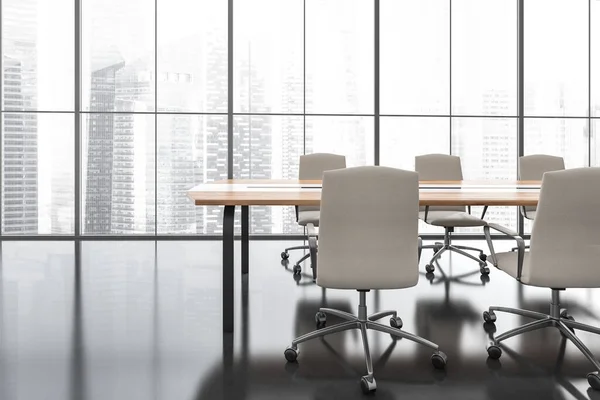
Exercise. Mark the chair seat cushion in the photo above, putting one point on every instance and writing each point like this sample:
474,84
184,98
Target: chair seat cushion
508,262
451,219
308,217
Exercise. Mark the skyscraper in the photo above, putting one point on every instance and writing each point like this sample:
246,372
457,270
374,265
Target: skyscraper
98,185
213,160
133,150
252,139
20,150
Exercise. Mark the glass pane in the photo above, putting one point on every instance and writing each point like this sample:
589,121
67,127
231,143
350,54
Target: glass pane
191,150
415,73
192,55
37,174
488,151
403,138
38,55
556,57
567,138
118,174
484,57
348,136
269,64
118,55
268,147
339,56
595,58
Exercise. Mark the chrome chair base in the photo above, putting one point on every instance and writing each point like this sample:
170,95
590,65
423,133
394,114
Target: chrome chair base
441,248
286,255
363,322
558,318
297,269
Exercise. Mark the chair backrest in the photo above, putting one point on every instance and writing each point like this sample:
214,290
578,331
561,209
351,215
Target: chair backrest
312,167
565,240
368,229
532,168
439,167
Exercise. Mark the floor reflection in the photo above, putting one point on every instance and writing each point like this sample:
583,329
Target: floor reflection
102,320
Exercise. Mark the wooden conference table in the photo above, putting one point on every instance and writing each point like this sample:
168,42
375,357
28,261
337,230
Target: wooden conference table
248,192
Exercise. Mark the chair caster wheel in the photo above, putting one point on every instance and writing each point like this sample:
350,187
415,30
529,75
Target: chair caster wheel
484,270
396,322
489,328
430,276
285,255
291,354
297,269
594,380
565,314
320,319
429,268
494,351
489,316
483,257
439,360
368,384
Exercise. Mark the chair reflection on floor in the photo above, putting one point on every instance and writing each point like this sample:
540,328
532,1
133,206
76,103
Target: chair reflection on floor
305,319
542,383
444,319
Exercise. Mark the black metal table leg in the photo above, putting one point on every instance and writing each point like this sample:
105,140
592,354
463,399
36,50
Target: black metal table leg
228,259
245,239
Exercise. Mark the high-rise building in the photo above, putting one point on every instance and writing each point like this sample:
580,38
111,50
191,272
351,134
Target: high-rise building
252,140
176,173
20,172
99,149
213,160
133,175
20,136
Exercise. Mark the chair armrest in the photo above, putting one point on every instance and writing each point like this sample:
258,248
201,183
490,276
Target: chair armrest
514,235
311,230
506,231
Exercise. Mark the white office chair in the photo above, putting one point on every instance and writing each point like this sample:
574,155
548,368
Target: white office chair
312,167
377,248
564,253
442,167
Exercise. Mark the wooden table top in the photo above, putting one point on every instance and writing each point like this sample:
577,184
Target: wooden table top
281,192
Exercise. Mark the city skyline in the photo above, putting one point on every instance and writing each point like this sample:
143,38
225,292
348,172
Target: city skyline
130,155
